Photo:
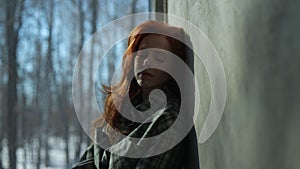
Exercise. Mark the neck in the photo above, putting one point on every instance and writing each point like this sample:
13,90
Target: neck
145,93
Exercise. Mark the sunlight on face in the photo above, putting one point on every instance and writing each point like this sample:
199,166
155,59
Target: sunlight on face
149,78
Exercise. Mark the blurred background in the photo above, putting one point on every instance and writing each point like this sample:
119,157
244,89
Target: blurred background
39,45
258,43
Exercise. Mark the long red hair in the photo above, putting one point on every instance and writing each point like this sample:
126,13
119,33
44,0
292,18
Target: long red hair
130,86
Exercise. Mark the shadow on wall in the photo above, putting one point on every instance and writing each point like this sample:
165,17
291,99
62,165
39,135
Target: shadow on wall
258,42
273,64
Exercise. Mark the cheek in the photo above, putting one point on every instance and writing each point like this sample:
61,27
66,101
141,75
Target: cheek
166,67
162,76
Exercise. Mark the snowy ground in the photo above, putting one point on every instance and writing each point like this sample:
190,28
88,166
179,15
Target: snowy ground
56,152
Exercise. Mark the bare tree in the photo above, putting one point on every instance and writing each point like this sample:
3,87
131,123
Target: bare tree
3,92
37,102
80,134
46,82
44,44
13,17
94,6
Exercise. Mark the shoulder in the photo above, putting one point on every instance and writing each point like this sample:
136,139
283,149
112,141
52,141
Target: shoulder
86,160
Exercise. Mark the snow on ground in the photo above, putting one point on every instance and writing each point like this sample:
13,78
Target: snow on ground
56,153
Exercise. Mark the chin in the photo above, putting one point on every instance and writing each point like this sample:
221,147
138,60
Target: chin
145,85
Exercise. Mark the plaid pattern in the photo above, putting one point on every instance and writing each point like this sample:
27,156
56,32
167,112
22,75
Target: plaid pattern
96,157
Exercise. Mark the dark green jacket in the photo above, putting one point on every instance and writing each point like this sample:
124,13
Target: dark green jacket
182,155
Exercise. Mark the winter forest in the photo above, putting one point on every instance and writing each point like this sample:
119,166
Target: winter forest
39,45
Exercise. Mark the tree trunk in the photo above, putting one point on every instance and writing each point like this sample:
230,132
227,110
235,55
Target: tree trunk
12,43
37,97
78,129
1,165
62,102
48,84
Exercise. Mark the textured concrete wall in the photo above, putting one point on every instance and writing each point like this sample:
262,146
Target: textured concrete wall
259,45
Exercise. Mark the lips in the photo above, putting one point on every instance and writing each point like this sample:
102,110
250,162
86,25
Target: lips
145,73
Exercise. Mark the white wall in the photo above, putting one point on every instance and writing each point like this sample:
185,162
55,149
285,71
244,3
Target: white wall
258,43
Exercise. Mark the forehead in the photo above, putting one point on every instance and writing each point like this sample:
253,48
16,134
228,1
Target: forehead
155,41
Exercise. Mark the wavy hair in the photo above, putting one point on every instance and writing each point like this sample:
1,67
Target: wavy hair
125,84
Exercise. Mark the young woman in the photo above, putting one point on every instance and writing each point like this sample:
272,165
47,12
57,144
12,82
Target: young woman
119,138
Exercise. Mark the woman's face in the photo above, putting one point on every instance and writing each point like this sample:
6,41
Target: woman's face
158,54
